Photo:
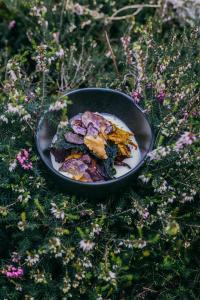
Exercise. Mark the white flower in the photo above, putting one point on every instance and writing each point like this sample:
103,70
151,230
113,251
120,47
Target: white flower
12,75
162,188
18,287
171,199
21,225
159,153
60,53
12,165
141,244
63,124
58,105
86,263
18,110
144,178
58,213
96,229
86,245
26,117
4,119
112,275
23,198
78,9
32,259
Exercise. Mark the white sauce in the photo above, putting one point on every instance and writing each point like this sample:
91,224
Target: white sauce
120,170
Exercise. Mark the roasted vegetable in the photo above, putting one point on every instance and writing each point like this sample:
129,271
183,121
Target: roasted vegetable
89,146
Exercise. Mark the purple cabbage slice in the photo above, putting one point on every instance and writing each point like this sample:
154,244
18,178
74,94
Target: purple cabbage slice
90,117
77,117
108,128
77,125
86,159
74,166
98,122
77,128
92,131
73,138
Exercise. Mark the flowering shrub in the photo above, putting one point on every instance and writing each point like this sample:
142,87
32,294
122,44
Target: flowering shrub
142,244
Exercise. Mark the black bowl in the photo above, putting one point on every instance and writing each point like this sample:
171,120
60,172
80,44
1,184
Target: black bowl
96,100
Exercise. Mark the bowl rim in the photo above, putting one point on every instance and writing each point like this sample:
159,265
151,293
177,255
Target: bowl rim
102,183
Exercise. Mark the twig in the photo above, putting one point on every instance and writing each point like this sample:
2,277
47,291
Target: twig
192,225
138,8
61,16
78,63
126,16
112,53
43,88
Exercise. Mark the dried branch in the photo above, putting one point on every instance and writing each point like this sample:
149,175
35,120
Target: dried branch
138,8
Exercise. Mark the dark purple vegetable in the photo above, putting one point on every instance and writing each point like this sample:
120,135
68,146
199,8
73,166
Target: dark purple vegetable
95,174
121,163
59,154
86,159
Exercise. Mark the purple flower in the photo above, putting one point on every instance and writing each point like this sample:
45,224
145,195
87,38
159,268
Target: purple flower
149,85
145,213
161,96
185,115
136,96
162,68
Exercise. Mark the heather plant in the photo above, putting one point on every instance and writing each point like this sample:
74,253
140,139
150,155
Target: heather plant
144,243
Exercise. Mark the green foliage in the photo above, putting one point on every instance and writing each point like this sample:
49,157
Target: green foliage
143,243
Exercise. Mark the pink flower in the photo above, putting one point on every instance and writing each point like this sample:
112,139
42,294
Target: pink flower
128,52
187,138
125,42
161,96
12,24
13,272
22,158
145,213
136,96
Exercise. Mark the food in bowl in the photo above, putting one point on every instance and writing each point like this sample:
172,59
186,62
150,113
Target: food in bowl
94,147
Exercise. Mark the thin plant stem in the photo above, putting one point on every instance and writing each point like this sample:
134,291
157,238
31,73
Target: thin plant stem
112,53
